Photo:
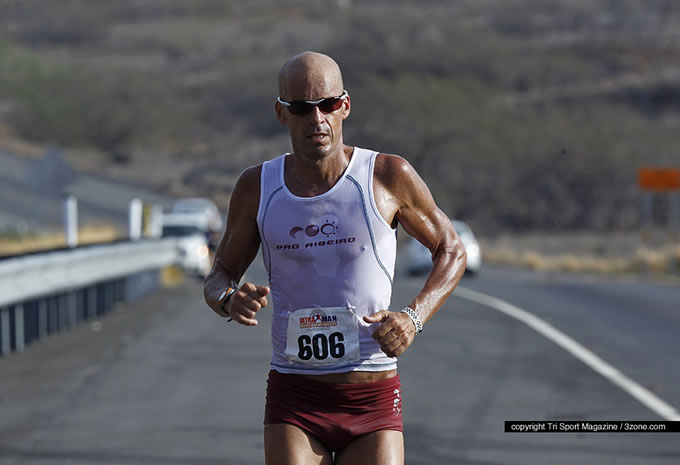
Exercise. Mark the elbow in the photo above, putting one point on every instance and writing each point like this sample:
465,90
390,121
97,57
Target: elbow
461,256
453,254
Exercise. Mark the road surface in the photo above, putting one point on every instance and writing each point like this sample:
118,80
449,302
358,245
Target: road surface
166,381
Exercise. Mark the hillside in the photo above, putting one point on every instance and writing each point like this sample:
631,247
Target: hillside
520,114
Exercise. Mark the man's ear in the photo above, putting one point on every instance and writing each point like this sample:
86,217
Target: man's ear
346,108
280,112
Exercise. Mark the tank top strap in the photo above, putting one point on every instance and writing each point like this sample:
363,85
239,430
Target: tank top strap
361,167
361,173
270,180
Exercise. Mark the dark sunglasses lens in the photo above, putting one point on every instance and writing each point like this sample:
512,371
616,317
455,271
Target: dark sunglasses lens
300,108
330,104
327,105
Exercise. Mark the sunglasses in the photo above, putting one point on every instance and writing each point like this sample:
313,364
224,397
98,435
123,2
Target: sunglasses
303,107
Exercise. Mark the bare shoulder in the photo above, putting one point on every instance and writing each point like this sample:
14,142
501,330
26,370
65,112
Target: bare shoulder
246,193
250,177
399,180
390,169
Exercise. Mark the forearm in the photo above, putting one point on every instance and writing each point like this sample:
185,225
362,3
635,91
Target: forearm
448,266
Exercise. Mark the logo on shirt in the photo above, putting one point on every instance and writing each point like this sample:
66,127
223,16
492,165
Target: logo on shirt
318,319
328,229
311,245
324,232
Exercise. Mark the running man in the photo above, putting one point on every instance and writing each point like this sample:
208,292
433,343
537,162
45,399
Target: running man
326,217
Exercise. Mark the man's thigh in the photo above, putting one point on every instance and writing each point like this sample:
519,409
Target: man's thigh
380,448
286,444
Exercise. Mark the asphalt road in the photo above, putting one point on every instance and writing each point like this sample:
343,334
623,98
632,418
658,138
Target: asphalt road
165,381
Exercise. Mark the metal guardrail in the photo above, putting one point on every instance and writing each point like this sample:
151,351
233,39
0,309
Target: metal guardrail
45,293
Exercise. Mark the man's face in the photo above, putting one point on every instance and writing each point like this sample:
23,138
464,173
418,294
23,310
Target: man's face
317,133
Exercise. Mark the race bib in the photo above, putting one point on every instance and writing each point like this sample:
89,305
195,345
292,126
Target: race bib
322,336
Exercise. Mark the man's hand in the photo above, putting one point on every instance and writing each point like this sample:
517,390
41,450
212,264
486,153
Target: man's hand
396,332
246,302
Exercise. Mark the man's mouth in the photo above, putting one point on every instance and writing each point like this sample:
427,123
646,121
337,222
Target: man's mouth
317,136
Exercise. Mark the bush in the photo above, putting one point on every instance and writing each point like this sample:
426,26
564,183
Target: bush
74,106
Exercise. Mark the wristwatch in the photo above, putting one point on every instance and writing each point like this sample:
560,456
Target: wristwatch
417,322
224,297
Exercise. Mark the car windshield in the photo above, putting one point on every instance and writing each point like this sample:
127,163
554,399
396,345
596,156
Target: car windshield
180,230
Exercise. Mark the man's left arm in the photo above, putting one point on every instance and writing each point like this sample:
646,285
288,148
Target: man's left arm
404,197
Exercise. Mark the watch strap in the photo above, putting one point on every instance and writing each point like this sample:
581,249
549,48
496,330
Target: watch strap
225,299
417,322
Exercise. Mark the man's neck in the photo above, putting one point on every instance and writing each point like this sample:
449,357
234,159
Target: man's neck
306,176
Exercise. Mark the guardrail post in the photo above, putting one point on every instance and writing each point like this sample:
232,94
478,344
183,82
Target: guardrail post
61,312
30,322
4,331
120,290
80,308
53,315
156,221
42,318
135,219
91,301
71,220
129,288
19,328
107,297
71,308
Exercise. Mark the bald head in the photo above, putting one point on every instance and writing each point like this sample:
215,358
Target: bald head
310,72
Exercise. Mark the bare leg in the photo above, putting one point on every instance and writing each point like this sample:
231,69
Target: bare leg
286,444
379,448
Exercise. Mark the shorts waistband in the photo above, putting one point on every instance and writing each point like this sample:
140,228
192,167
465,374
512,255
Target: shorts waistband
330,389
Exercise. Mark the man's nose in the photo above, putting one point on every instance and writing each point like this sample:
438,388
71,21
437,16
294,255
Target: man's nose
317,115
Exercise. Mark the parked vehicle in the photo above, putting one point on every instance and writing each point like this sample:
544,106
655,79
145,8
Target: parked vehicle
192,242
204,210
420,258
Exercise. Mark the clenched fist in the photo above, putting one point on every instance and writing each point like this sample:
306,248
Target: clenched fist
246,302
395,333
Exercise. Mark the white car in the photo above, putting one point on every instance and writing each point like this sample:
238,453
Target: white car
420,258
204,210
192,243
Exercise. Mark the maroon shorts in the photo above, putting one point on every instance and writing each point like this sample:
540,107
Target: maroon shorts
336,414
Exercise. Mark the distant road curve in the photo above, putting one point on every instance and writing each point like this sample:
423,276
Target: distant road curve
24,207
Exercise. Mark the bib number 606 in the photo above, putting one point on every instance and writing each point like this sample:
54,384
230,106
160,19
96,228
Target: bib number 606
321,347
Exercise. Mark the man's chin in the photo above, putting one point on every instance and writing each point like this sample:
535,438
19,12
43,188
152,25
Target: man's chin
322,147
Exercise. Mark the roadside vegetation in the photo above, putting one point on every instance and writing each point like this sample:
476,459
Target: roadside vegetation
521,115
651,253
15,244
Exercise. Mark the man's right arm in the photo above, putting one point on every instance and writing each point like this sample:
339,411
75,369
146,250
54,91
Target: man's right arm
236,251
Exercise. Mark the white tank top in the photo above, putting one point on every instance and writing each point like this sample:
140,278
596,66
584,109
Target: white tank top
330,260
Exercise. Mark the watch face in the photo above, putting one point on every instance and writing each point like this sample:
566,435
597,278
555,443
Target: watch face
223,294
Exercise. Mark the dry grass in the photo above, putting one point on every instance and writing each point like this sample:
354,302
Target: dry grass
172,276
610,254
93,234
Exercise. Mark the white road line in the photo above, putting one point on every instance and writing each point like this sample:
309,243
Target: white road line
643,395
